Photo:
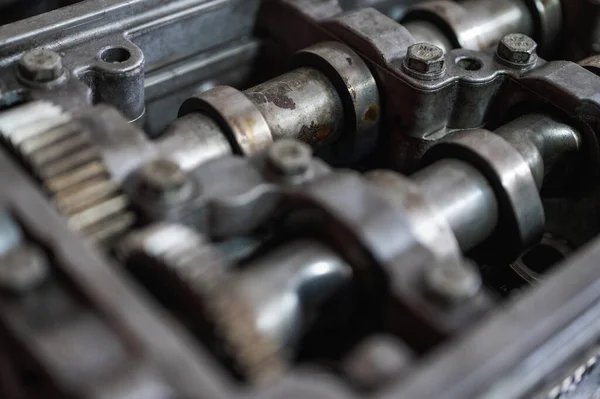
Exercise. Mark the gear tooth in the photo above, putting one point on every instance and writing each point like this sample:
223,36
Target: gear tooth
230,319
79,175
70,162
35,128
12,120
107,231
56,151
59,153
77,198
98,212
48,137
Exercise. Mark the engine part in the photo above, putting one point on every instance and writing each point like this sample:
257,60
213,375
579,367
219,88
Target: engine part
303,104
299,198
477,24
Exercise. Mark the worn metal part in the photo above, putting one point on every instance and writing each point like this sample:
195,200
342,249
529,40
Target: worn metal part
192,140
543,141
358,92
238,117
56,147
207,243
460,193
111,58
163,181
480,24
88,319
40,66
520,206
425,61
517,50
331,92
181,255
428,32
286,288
476,24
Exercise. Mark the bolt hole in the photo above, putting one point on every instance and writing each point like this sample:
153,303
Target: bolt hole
469,63
115,55
541,258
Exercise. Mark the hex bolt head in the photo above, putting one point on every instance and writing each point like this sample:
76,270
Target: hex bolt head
161,176
425,58
290,157
453,283
23,268
517,48
41,65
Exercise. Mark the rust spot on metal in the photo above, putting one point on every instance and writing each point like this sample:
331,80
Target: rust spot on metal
372,114
278,95
314,133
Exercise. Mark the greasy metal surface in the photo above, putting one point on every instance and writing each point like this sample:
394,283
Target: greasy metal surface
300,104
521,210
271,272
112,295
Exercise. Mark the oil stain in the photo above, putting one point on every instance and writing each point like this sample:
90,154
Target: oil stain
314,133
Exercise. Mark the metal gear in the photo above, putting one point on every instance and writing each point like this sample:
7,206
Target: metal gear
58,152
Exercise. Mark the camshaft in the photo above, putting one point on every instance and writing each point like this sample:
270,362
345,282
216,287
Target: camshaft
328,199
477,180
331,92
480,188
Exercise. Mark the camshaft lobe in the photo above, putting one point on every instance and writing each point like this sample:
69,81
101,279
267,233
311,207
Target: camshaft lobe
542,140
468,199
477,186
471,196
480,24
301,104
287,287
331,91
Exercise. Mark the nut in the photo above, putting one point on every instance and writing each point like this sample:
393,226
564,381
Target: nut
290,157
162,176
517,48
453,282
425,58
41,65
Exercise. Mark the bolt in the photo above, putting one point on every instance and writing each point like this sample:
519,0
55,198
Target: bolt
290,157
41,65
425,58
162,176
453,282
517,48
376,361
23,268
